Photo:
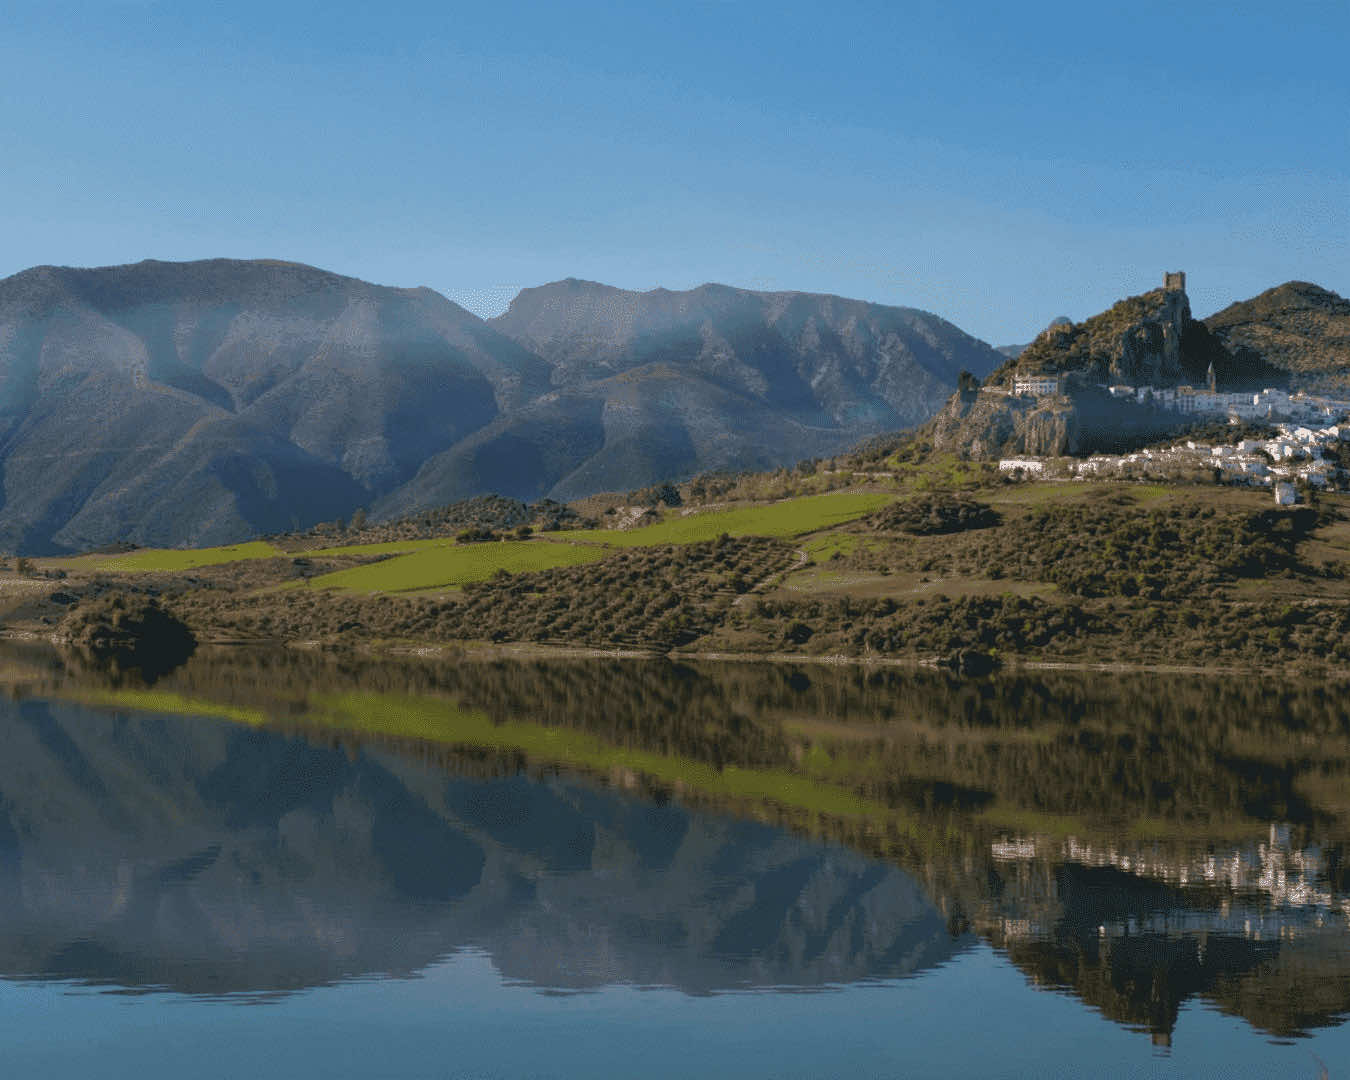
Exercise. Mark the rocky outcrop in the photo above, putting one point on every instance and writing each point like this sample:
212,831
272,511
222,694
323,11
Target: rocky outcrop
1149,339
992,424
1086,420
1140,339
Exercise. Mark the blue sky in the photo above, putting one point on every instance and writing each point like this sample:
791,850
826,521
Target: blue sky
999,164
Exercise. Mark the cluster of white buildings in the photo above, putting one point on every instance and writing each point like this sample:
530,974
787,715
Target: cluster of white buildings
1296,454
1268,404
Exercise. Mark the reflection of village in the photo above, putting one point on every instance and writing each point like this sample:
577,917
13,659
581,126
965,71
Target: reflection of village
1256,931
1308,428
1269,888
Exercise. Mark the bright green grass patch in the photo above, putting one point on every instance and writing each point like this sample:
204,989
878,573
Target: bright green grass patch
390,547
792,517
822,548
443,565
448,566
169,559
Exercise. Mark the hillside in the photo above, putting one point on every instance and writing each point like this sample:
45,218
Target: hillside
1298,330
203,403
1145,340
663,385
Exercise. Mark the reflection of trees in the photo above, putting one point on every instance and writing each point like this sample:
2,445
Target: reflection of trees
1136,950
1189,751
141,851
1195,758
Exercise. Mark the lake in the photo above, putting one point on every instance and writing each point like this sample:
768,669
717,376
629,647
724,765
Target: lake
289,864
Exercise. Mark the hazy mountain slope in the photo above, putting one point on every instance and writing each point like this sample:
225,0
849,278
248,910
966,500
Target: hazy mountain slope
198,402
663,385
822,360
205,402
1297,329
619,433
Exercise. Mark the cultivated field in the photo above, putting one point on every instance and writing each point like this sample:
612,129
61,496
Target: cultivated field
432,565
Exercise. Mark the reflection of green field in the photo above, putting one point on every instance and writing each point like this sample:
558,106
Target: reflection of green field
170,559
437,720
441,564
441,721
166,701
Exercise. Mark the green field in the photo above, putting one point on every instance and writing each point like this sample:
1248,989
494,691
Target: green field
448,565
791,517
389,547
441,564
169,559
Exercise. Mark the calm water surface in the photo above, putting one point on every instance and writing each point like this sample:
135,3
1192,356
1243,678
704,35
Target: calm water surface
294,866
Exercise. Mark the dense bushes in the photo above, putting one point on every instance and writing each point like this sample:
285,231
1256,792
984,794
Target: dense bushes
1111,548
929,515
658,598
130,630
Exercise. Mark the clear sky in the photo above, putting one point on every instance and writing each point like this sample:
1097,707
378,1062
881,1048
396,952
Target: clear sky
997,163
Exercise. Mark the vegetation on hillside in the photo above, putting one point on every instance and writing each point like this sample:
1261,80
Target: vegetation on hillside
1296,328
934,514
651,597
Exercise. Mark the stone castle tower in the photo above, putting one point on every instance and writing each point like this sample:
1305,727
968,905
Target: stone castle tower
1174,280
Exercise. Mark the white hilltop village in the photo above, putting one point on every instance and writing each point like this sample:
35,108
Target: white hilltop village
1307,427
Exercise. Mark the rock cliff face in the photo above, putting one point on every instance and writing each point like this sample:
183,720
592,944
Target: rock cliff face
1149,339
1139,339
989,424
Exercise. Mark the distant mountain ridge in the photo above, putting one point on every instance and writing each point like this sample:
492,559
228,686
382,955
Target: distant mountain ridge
1298,329
205,402
661,385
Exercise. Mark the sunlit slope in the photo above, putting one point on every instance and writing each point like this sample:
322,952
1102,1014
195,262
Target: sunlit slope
445,565
448,565
150,560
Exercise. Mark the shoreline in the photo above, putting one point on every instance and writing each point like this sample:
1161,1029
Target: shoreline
523,651
526,651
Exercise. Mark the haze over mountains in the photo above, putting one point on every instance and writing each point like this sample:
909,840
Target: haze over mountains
205,402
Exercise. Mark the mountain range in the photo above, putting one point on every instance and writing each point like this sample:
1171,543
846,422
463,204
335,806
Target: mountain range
205,402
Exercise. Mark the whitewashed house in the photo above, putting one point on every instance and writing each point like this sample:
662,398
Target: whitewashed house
1029,466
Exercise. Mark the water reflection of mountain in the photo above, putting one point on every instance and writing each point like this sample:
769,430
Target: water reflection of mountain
144,851
1171,886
